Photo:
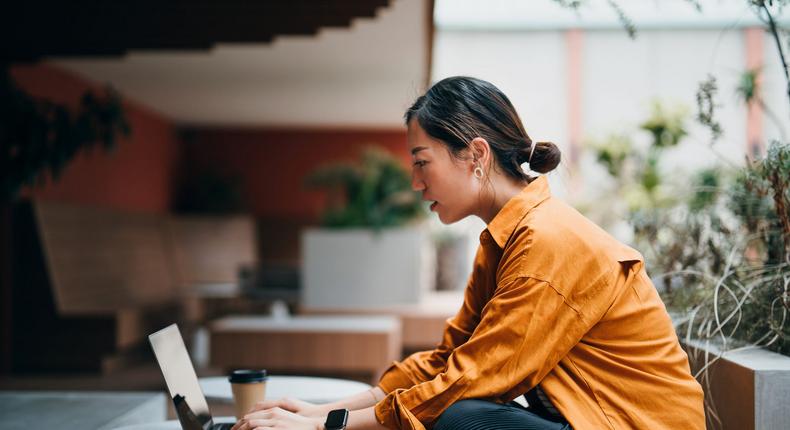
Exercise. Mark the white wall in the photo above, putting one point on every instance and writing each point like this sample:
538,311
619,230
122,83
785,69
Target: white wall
621,77
528,67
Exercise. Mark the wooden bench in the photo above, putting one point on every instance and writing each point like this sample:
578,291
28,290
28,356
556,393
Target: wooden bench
89,284
210,249
321,345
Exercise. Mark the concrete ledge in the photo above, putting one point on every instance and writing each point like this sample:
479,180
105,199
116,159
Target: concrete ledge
748,389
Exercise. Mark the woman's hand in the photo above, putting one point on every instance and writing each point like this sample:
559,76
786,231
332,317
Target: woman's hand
278,418
296,406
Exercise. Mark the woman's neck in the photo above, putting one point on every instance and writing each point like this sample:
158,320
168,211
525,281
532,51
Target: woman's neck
500,191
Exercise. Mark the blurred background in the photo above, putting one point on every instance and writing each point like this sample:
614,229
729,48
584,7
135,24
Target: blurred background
240,168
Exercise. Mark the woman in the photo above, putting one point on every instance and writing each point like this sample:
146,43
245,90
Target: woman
555,309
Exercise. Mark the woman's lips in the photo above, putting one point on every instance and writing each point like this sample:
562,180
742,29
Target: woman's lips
433,205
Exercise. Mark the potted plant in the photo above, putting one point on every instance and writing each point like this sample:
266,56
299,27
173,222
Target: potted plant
371,249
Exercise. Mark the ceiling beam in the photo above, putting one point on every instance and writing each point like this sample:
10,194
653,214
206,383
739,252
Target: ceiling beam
32,29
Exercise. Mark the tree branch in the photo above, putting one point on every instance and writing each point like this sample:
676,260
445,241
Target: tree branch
775,33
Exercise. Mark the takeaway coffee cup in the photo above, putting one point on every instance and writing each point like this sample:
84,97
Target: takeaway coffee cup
249,387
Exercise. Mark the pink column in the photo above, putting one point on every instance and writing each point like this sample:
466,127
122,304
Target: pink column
574,40
754,47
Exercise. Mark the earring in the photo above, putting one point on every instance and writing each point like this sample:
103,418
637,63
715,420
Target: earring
478,172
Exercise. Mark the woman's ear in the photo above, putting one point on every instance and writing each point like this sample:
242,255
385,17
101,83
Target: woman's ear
481,152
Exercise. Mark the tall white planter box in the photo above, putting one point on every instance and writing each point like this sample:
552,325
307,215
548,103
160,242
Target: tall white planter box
362,269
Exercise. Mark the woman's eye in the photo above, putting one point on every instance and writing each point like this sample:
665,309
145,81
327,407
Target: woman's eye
419,163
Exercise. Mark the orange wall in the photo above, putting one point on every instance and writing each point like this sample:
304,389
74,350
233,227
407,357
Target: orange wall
138,175
272,164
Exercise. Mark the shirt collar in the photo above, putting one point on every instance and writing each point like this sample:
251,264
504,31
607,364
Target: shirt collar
504,223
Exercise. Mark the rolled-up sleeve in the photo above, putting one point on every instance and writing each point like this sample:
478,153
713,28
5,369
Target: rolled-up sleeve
524,330
425,365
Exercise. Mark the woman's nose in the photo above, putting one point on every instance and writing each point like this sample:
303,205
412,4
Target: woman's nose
417,183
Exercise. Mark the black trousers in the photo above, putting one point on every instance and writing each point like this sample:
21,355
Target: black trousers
483,415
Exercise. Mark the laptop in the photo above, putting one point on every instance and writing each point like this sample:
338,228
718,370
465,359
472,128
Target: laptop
182,382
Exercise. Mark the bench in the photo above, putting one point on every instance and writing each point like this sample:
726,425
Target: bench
357,346
89,284
422,324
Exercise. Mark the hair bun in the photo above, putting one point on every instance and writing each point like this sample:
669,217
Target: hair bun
545,157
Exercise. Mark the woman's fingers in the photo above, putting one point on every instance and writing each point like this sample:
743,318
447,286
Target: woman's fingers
264,414
287,403
275,418
267,404
253,423
290,404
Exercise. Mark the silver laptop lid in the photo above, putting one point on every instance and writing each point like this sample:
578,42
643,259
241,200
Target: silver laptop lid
171,353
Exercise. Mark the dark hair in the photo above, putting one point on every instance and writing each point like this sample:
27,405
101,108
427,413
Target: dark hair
458,109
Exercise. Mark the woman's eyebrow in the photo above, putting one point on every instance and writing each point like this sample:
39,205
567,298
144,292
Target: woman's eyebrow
417,149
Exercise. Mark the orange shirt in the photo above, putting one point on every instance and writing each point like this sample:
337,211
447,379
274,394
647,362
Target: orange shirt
556,301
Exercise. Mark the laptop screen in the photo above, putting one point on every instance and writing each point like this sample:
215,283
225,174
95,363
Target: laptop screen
182,382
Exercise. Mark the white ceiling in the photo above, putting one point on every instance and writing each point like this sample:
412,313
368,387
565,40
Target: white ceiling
362,76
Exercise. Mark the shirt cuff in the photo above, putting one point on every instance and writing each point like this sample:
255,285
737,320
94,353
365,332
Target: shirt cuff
391,413
395,377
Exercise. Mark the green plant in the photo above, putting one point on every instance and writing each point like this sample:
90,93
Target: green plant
374,192
724,257
748,90
613,153
719,249
762,201
38,138
636,170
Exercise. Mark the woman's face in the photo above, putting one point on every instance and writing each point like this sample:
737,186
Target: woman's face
444,180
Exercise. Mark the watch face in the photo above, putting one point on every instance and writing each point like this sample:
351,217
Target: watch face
337,419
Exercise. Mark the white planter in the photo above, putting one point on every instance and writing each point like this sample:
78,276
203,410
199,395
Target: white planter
361,269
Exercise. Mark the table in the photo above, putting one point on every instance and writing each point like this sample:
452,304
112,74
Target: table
310,389
65,410
171,424
218,393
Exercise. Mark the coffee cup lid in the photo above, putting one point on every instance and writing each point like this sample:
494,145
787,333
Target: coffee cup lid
247,376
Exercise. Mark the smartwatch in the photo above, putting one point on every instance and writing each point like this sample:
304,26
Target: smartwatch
336,420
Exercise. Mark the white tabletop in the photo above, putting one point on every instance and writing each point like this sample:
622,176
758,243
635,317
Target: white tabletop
307,388
171,425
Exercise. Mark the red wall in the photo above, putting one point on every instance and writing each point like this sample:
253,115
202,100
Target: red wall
138,175
141,174
272,164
